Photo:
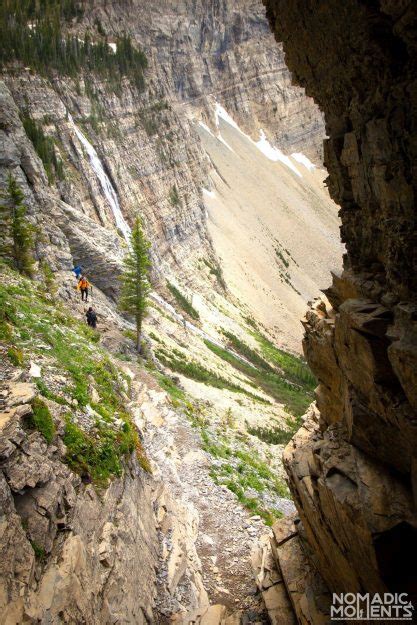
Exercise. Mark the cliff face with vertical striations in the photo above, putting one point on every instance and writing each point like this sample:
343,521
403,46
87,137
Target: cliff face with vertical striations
201,153
150,147
351,467
197,54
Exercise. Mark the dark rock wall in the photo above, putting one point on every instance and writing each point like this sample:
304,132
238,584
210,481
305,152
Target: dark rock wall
358,61
352,467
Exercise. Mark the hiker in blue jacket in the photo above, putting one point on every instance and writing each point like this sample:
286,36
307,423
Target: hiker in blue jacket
78,270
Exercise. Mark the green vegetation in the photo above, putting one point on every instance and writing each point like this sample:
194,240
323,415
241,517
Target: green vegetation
247,352
285,277
251,322
135,280
16,232
174,198
48,277
281,257
150,119
294,367
15,356
100,454
41,419
295,397
45,392
275,435
183,301
154,337
170,387
150,125
30,322
242,472
45,148
33,33
195,371
40,553
216,271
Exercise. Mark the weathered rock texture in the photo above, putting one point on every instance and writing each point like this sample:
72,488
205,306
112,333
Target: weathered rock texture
221,50
198,53
67,553
352,465
75,553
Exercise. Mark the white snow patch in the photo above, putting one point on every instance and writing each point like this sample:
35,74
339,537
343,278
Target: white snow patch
205,127
274,154
208,193
302,158
271,152
113,46
219,111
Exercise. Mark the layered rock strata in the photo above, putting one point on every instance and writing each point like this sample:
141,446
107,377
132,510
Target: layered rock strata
198,54
351,467
69,554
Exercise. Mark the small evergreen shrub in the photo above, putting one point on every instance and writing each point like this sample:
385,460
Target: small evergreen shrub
45,148
216,271
15,356
174,198
183,302
40,553
41,419
16,233
282,258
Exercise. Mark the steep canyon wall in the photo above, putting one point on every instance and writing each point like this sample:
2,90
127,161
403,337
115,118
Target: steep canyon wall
352,466
198,53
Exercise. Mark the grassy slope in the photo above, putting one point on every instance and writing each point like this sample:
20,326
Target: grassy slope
40,329
279,374
236,463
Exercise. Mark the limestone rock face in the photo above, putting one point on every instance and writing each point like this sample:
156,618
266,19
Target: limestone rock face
66,551
351,467
221,51
198,54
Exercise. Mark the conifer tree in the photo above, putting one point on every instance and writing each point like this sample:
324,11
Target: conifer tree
16,239
135,279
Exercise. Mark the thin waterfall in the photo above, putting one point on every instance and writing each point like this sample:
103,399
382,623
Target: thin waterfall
104,180
122,225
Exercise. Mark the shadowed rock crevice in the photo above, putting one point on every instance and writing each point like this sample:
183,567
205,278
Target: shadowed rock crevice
352,467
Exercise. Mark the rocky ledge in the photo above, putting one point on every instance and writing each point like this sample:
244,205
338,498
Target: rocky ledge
352,466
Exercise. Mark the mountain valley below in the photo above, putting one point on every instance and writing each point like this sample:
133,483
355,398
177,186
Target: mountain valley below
167,486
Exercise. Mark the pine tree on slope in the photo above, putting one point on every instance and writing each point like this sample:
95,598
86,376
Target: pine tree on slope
135,279
16,238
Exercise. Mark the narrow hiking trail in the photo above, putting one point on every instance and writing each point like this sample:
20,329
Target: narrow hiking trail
225,532
211,534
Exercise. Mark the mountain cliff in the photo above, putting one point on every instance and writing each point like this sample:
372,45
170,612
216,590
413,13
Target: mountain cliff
351,467
183,113
196,54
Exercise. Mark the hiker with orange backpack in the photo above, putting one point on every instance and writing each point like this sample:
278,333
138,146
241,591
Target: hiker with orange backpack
82,286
